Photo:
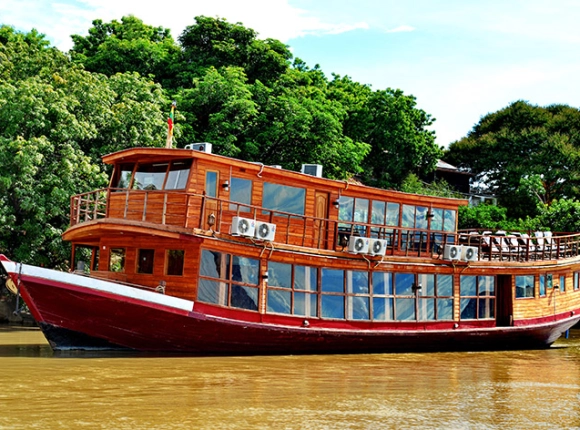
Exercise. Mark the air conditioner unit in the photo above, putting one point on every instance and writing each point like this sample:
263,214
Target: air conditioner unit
203,147
265,231
377,247
312,169
243,226
358,245
469,253
452,252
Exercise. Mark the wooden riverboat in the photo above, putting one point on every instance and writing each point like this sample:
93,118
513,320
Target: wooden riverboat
191,252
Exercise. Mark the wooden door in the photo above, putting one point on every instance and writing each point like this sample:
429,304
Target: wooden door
504,297
320,225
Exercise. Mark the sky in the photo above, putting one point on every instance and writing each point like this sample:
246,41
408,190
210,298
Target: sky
460,59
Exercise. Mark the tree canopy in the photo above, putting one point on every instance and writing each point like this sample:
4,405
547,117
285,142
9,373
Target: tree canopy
524,154
60,112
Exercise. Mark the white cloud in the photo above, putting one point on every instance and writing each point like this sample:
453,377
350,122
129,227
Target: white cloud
270,18
401,28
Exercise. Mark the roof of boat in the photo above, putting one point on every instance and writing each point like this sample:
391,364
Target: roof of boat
149,155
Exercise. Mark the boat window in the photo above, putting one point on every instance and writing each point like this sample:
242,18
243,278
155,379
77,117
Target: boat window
282,298
361,210
279,275
345,208
150,176
228,284
477,297
449,222
175,259
437,219
305,287
444,294
426,297
378,212
393,214
408,216
245,270
576,285
117,260
404,296
240,192
283,198
358,297
332,298
383,302
421,217
145,259
542,285
211,179
214,265
524,286
125,172
178,175
562,283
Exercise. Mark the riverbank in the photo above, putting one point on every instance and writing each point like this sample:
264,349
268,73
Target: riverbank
8,316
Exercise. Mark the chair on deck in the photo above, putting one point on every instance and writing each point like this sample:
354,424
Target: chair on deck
527,246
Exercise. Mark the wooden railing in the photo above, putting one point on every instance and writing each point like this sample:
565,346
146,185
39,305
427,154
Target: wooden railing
190,210
518,246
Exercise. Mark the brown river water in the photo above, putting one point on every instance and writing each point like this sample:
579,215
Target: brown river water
40,389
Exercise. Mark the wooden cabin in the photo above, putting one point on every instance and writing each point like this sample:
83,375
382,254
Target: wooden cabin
266,244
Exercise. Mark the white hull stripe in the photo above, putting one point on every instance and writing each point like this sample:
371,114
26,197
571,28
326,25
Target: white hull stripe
97,284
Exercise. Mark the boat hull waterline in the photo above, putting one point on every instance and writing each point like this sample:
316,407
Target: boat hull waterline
76,312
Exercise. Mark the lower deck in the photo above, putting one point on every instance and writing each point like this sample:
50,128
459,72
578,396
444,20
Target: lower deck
294,288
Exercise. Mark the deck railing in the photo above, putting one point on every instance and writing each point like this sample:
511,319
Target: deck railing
191,210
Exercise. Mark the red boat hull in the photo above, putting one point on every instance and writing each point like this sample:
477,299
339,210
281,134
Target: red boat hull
73,316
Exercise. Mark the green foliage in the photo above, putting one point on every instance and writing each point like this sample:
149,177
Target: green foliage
36,181
395,129
127,46
412,184
485,216
214,42
562,216
58,116
53,117
524,141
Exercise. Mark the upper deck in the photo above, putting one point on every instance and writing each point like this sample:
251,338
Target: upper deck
189,192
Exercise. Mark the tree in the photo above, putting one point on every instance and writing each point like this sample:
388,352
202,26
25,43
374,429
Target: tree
128,46
214,42
523,141
393,126
50,122
36,183
299,123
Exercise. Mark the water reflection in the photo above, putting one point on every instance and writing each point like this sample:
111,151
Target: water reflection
519,389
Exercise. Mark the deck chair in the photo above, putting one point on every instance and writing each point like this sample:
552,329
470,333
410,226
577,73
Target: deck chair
527,246
556,250
541,247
